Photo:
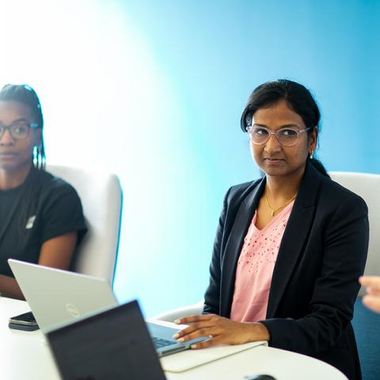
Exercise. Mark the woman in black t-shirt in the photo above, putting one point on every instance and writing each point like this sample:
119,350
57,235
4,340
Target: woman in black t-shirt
41,215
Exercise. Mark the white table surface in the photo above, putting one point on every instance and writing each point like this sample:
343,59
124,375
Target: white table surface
25,355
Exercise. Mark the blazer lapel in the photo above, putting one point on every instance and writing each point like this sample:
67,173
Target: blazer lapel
235,242
296,232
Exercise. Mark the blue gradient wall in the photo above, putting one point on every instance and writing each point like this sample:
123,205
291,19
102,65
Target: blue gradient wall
154,91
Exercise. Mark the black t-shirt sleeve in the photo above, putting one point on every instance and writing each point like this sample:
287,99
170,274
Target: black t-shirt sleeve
61,212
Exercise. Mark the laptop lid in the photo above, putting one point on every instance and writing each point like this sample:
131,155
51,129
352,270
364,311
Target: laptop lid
57,297
114,344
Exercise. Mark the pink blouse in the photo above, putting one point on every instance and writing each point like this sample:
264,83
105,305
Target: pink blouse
255,268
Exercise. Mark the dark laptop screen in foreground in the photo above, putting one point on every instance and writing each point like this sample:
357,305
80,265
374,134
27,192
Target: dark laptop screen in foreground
114,344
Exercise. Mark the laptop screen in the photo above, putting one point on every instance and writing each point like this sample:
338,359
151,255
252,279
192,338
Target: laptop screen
114,344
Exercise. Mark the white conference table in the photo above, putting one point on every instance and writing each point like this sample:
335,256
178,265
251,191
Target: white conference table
25,355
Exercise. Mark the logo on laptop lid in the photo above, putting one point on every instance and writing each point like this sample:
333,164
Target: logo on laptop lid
72,310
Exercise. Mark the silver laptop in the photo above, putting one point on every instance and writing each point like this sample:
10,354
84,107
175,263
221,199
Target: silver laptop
57,297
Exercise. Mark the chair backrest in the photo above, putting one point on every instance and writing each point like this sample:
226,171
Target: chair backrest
101,197
368,187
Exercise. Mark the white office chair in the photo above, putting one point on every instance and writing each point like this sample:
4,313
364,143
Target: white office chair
180,312
365,185
101,196
366,323
368,187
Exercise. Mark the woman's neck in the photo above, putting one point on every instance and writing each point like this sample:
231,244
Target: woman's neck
10,179
280,189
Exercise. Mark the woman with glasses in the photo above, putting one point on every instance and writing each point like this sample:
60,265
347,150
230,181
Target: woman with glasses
289,247
41,215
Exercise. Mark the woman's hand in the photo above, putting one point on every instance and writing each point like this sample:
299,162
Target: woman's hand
372,299
219,330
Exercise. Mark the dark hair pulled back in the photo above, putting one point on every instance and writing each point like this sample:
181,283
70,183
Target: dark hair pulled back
25,94
298,98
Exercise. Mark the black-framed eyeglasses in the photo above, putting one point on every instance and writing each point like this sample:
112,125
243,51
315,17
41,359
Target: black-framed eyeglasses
287,136
18,130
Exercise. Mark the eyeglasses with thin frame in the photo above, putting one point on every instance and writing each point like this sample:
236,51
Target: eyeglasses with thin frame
287,136
18,130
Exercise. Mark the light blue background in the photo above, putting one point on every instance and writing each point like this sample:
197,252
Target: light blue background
153,90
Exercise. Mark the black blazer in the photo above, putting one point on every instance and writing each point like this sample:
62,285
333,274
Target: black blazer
315,279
